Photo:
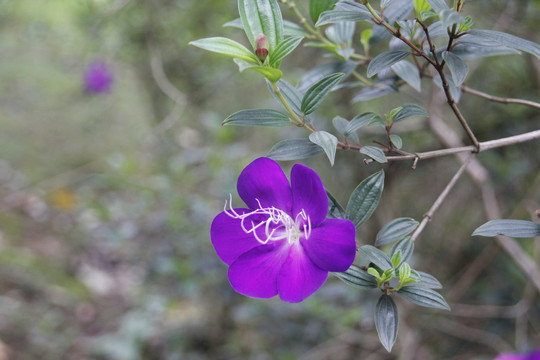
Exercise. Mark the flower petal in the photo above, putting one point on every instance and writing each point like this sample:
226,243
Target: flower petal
308,194
264,180
228,237
332,245
299,277
255,272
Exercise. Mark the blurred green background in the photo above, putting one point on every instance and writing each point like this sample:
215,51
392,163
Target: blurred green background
106,199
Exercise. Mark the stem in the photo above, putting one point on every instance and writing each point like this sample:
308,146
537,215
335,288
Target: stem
299,122
429,215
500,99
362,79
483,146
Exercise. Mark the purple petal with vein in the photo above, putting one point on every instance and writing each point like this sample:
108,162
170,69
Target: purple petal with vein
308,194
255,272
332,245
299,277
264,180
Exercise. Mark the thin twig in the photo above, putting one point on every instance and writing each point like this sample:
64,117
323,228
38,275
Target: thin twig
429,215
500,99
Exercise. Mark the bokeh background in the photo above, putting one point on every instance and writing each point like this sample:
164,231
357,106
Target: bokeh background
106,198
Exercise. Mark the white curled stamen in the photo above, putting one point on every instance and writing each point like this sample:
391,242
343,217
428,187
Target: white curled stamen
277,224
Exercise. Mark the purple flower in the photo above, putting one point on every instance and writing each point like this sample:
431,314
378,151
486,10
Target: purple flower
282,242
97,78
535,355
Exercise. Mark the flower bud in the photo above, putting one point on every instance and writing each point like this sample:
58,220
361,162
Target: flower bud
261,53
262,47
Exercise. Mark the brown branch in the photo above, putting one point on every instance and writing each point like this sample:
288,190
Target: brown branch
500,99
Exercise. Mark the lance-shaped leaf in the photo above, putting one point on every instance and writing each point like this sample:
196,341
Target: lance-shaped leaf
319,72
406,246
226,46
318,91
409,73
341,125
335,210
375,153
365,198
316,7
290,93
427,281
438,5
284,48
508,40
377,257
261,17
421,5
273,75
386,321
257,117
512,228
294,149
385,60
359,121
327,142
423,297
356,13
458,68
357,277
395,230
408,111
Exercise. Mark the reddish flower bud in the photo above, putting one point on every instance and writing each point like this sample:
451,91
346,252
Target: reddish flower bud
261,53
262,42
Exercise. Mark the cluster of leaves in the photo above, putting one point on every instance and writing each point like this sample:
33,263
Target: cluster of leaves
411,52
390,273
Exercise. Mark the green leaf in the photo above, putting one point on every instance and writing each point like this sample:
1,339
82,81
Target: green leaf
386,321
357,277
437,5
284,48
318,91
512,228
396,141
319,72
395,230
364,39
365,198
511,41
408,73
458,68
385,60
408,111
273,75
450,17
427,14
316,7
261,17
293,29
405,246
427,281
345,11
226,46
294,149
404,271
335,210
359,121
327,142
290,93
341,125
259,117
377,257
454,90
423,297
396,259
421,5
373,272
374,152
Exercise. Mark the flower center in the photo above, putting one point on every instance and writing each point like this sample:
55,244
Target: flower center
272,224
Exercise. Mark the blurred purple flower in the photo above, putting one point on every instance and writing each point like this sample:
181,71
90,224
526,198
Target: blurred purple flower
282,242
534,355
97,77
